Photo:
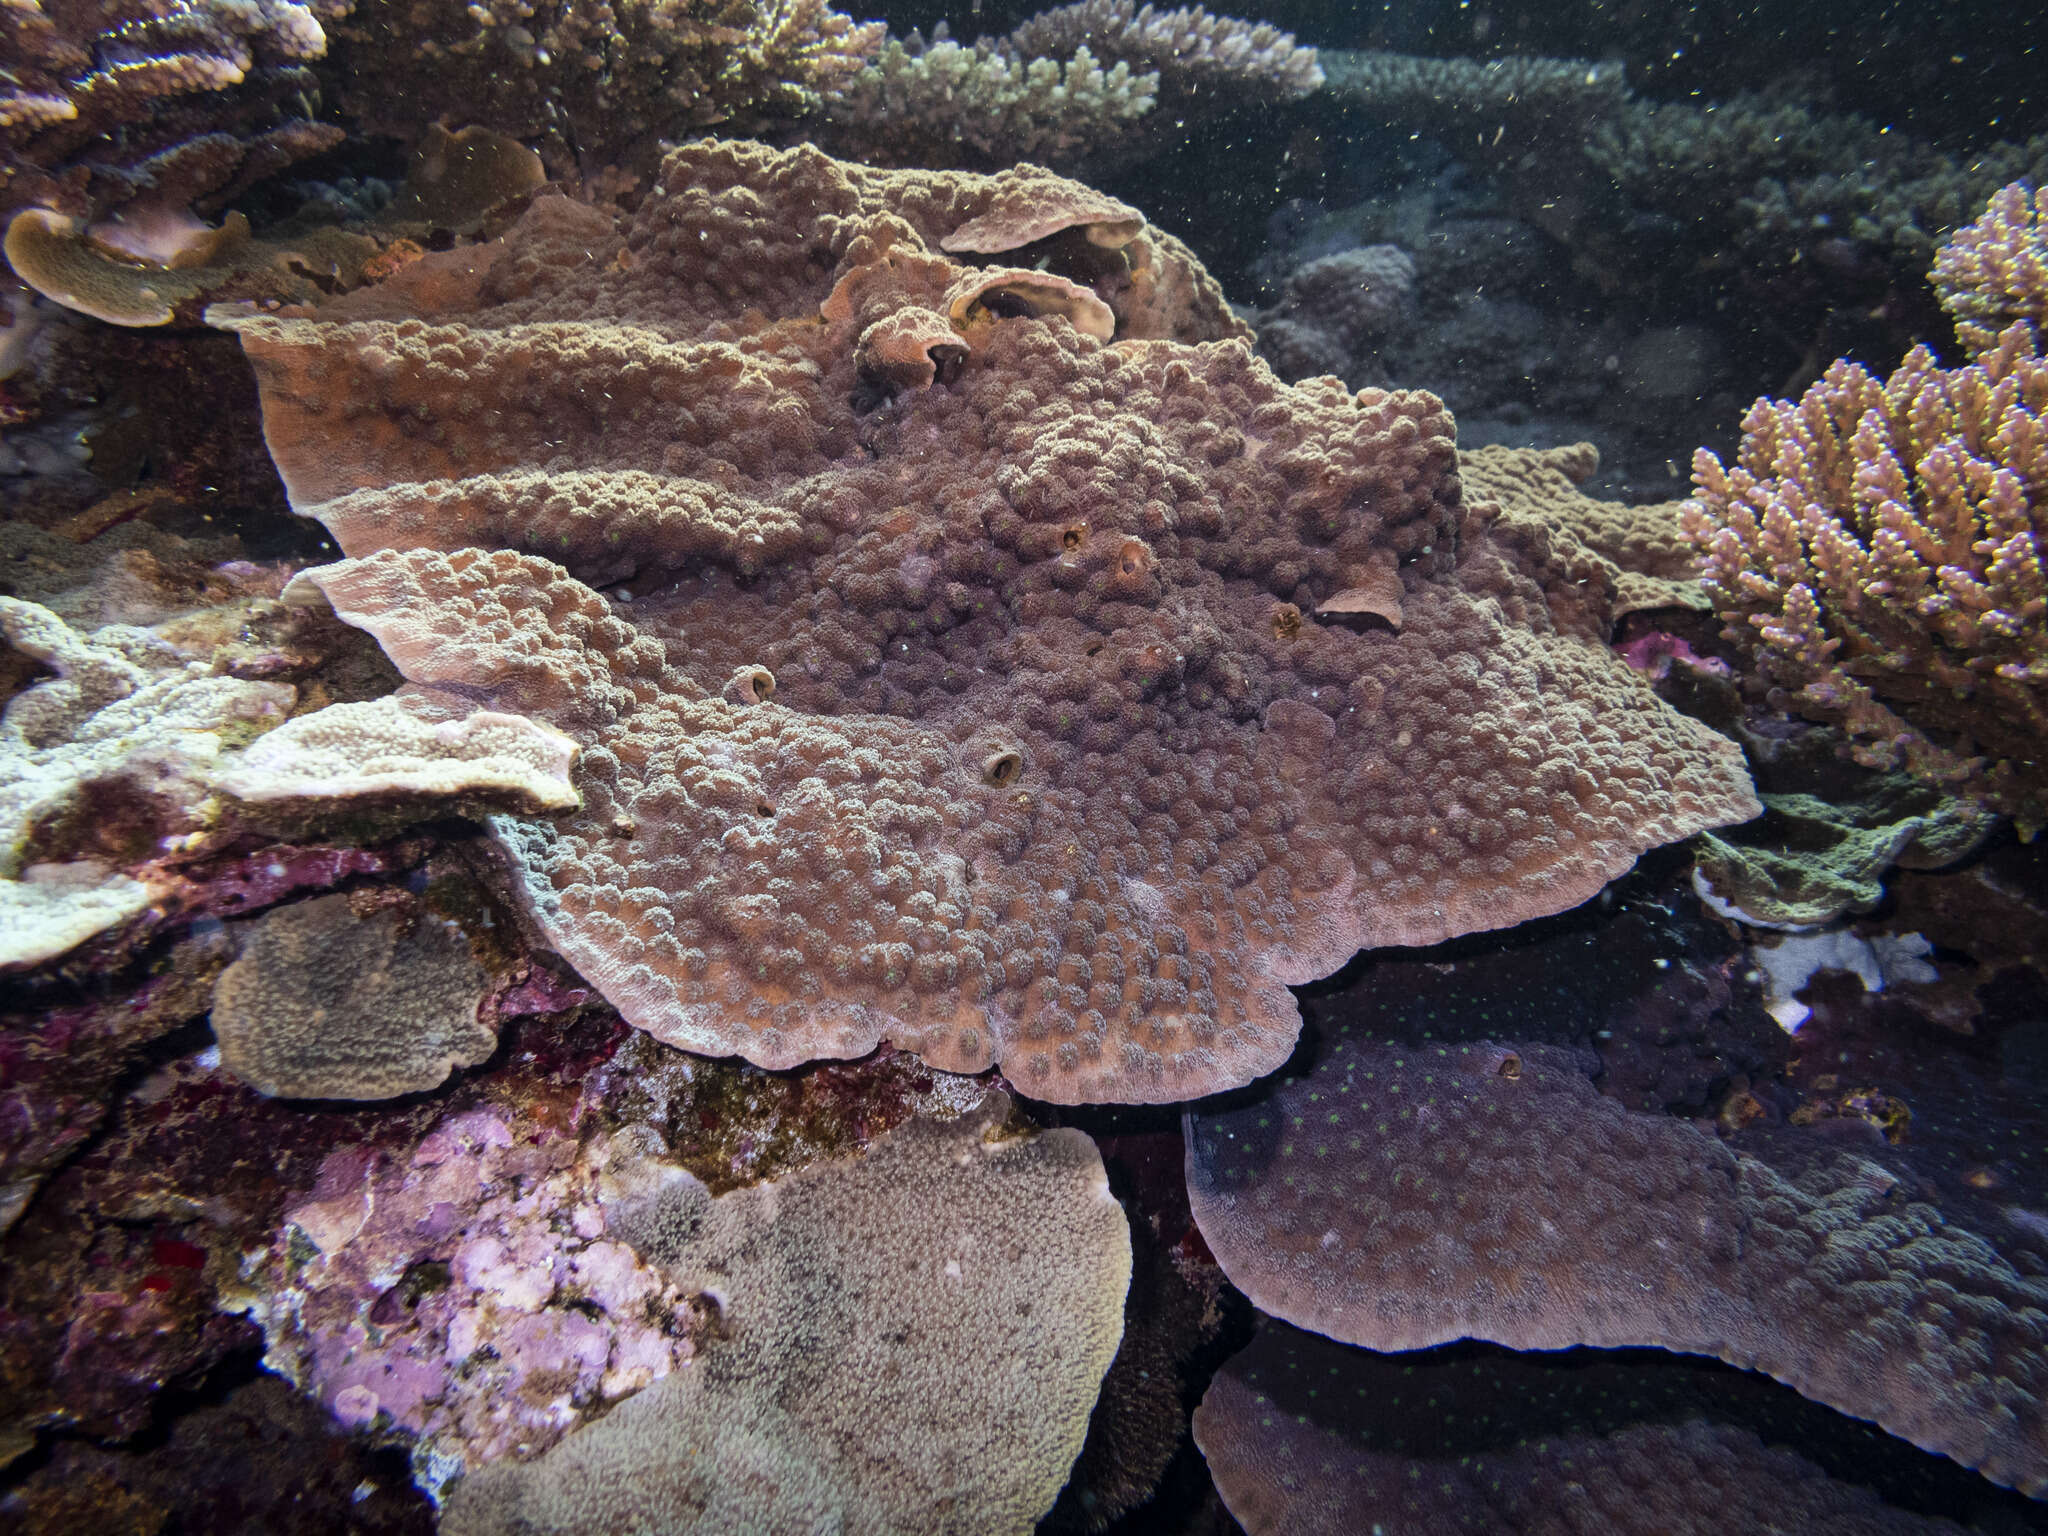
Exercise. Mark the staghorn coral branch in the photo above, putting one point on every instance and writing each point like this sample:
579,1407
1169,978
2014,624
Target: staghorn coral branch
1070,85
599,82
1877,546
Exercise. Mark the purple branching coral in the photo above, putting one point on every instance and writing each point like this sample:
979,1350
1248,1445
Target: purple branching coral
1876,548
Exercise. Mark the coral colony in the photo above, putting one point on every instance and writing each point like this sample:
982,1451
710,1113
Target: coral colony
750,782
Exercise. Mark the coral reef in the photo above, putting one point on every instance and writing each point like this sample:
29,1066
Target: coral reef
119,1270
169,267
324,1002
1014,738
1500,313
60,257
1332,306
1815,225
464,1296
1778,179
1092,83
1515,102
594,85
1994,270
1808,860
1875,550
939,103
863,830
154,103
1653,564
1193,52
1307,1436
1456,1171
843,1375
155,745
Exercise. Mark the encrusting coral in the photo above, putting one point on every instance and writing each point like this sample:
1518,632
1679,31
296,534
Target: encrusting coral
328,1003
1308,1438
1877,548
908,1340
993,717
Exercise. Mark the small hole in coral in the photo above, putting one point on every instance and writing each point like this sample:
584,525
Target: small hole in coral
706,1312
1005,305
751,685
1001,769
1072,537
763,808
1510,1067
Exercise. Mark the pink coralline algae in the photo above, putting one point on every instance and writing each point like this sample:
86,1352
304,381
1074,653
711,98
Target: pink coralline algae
464,1297
1040,699
1656,652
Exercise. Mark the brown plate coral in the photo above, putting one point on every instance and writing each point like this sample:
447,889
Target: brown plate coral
946,673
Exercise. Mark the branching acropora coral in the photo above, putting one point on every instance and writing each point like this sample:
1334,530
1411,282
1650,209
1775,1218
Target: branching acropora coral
1877,547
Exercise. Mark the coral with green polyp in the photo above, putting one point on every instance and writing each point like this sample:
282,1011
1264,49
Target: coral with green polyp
1877,546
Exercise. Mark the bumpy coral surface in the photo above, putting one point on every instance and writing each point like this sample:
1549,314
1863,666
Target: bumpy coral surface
994,717
1305,1436
328,1003
1404,1194
1654,564
910,1340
